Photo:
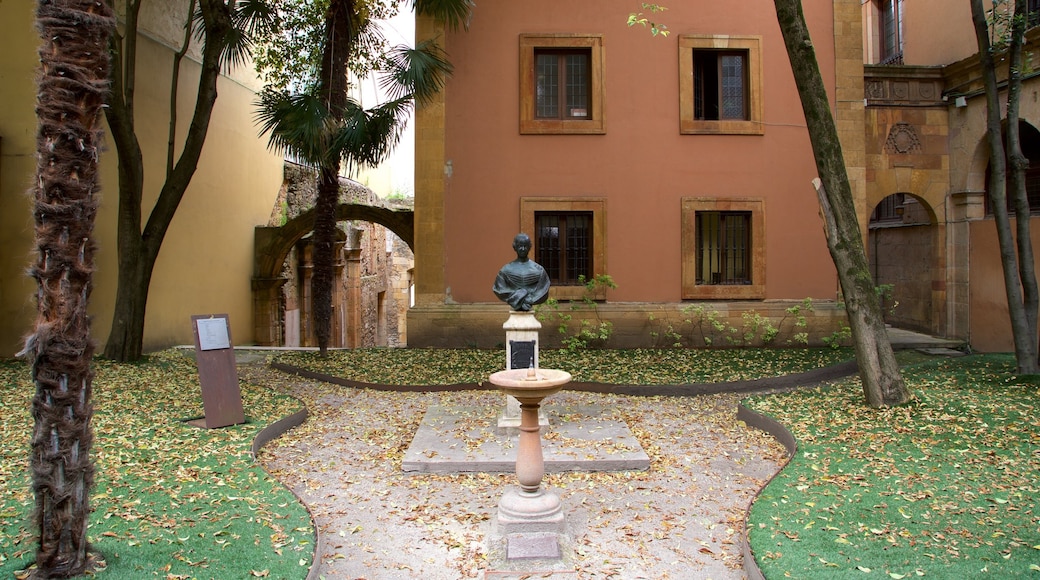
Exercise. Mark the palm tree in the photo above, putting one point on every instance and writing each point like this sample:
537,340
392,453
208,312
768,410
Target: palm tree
325,128
73,85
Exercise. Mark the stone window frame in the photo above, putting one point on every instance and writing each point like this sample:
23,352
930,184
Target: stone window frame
529,125
597,206
693,291
688,124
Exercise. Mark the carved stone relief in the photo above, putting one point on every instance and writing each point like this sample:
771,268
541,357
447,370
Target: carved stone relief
902,139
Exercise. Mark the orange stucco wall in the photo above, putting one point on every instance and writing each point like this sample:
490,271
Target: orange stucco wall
990,325
642,165
923,18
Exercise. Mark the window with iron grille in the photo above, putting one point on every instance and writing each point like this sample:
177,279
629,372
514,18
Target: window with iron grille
1033,11
891,32
720,85
723,247
562,83
563,246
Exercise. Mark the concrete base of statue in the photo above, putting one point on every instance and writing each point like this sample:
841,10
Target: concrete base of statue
522,329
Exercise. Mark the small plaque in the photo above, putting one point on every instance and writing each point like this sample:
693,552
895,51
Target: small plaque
521,354
218,377
532,547
213,333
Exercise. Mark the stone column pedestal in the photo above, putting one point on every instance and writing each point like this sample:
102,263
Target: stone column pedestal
521,352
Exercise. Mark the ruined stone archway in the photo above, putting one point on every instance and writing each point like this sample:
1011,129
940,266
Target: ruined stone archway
272,245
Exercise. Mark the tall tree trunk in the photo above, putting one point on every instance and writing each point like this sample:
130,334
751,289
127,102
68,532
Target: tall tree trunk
340,31
882,383
1023,325
138,245
126,338
1017,182
73,83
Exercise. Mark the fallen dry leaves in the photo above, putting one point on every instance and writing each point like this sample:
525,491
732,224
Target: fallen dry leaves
682,515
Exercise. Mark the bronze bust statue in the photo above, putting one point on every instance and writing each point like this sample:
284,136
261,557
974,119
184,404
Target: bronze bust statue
522,283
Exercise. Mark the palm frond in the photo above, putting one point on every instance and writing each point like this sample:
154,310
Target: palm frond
257,18
367,49
418,73
368,136
251,21
453,13
296,124
237,49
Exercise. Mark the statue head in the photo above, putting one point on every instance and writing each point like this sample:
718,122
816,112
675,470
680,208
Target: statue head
522,245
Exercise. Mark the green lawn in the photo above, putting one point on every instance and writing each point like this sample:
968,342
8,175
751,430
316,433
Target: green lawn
171,500
945,487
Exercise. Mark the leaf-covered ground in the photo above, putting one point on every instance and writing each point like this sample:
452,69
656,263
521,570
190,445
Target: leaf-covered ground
680,519
171,500
945,487
624,367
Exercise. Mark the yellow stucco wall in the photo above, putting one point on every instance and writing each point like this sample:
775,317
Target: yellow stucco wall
205,265
17,131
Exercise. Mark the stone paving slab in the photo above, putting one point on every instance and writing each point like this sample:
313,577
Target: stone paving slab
454,439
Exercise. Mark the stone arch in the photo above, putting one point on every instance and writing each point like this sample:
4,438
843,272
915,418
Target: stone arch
975,180
272,245
927,186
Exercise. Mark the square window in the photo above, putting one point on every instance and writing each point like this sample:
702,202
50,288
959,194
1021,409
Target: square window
561,84
723,248
720,85
568,238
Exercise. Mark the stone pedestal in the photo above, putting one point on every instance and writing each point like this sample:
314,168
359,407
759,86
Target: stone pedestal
521,353
530,508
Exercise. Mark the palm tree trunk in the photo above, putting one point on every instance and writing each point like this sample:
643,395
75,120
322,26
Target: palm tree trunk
324,239
73,84
340,30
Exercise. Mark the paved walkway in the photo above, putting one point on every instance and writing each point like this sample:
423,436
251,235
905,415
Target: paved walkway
681,518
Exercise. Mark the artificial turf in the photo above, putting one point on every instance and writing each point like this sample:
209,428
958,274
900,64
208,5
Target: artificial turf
945,487
171,500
